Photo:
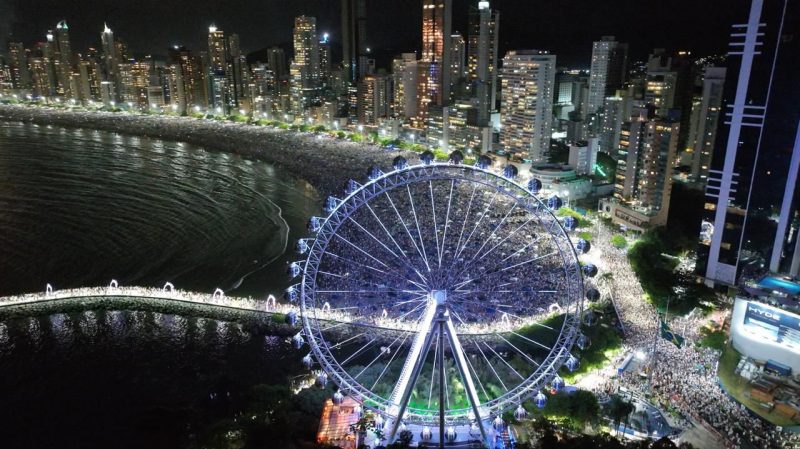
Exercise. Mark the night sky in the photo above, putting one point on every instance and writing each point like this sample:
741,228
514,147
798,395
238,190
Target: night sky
565,27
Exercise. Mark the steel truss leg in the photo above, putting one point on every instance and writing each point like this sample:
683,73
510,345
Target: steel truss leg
417,363
461,364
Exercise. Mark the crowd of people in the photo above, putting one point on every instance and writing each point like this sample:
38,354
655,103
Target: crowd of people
680,379
168,292
322,160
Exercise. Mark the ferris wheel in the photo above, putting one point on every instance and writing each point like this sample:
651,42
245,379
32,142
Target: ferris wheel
441,295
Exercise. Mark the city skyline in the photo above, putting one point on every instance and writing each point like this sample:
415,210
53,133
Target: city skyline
562,29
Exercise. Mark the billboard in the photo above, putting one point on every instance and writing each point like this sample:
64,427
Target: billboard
772,324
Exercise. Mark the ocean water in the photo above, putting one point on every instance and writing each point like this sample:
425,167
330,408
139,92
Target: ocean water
81,207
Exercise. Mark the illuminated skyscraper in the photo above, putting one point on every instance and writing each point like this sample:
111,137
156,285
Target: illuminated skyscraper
354,38
526,100
111,62
749,166
608,70
325,59
704,129
305,73
404,80
63,58
306,49
373,98
436,25
276,61
645,159
238,74
482,57
18,64
457,60
217,49
192,74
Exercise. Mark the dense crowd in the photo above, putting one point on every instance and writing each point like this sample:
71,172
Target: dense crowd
218,298
318,158
681,379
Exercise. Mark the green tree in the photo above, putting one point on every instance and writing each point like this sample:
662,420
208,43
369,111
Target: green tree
619,241
618,410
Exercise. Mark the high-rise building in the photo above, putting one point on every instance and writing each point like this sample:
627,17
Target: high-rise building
63,60
238,74
785,257
404,94
457,55
192,75
354,38
528,79
643,185
436,32
608,71
702,136
306,49
750,157
18,65
616,110
325,59
373,98
110,61
217,49
482,57
304,72
276,61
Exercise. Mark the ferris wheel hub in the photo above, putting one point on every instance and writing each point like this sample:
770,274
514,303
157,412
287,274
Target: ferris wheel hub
439,297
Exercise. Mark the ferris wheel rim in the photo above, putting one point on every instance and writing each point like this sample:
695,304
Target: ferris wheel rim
557,354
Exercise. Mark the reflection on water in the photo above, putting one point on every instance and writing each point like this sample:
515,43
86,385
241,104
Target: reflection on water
129,379
80,207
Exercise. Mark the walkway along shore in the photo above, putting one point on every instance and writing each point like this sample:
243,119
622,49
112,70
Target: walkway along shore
325,162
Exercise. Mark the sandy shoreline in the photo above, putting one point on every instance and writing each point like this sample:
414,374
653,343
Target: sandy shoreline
326,163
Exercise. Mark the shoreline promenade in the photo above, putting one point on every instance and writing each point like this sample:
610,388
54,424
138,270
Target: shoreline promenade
324,161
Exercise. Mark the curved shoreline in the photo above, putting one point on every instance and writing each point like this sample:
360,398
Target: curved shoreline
326,163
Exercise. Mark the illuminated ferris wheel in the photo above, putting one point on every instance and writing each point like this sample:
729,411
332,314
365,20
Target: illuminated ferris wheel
441,295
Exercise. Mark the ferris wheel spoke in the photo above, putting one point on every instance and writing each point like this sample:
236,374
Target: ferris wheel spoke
413,241
386,367
474,228
435,225
464,224
384,288
477,378
421,298
361,250
333,326
373,237
372,362
494,231
492,249
416,220
412,310
529,340
405,258
501,270
346,341
521,352
489,364
369,267
446,221
355,354
522,250
502,359
402,259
